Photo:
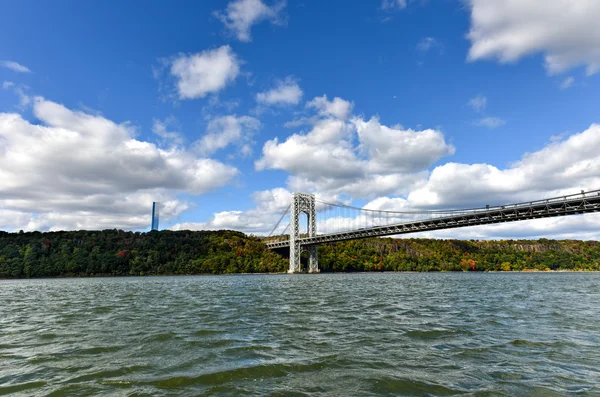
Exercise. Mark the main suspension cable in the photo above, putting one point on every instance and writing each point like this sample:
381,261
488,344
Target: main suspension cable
280,219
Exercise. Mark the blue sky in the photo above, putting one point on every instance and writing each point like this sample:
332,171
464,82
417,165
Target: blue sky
220,109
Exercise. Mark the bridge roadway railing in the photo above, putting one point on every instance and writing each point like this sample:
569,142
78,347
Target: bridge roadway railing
558,206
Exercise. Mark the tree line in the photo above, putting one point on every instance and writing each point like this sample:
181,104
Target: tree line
120,253
426,255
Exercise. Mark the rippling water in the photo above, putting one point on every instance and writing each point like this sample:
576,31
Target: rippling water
303,335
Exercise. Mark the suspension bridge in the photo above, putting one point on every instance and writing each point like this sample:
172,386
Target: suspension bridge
339,222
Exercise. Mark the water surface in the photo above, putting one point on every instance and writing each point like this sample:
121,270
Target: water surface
386,334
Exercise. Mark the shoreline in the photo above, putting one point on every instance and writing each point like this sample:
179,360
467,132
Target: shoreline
286,273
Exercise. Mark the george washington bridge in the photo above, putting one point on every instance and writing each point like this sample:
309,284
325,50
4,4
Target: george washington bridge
342,222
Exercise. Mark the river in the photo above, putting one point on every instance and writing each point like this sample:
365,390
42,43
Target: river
390,334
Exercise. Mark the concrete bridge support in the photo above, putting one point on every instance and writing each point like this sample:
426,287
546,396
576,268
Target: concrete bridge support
303,203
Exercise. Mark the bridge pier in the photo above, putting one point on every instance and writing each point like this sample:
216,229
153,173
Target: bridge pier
313,259
303,203
296,251
295,254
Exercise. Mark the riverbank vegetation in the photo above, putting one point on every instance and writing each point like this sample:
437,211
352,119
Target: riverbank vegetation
425,255
119,253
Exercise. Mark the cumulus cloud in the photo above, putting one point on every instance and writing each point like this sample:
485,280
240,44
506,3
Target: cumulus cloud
566,32
338,108
240,15
561,167
286,92
206,72
397,150
325,150
228,130
15,67
73,169
489,122
352,156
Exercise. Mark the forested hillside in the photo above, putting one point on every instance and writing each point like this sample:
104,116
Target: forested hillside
119,253
425,255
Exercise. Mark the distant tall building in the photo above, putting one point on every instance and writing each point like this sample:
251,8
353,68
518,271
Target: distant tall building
155,206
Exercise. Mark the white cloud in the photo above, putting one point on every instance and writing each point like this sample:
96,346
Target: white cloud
229,220
478,103
160,128
489,122
565,31
397,150
393,4
560,168
73,169
228,130
286,92
206,72
567,83
365,186
327,160
123,211
240,15
270,204
338,108
325,151
15,67
19,90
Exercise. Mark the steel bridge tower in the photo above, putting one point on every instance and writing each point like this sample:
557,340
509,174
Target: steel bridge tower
303,203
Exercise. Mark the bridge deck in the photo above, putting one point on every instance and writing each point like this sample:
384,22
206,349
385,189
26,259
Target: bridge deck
568,205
